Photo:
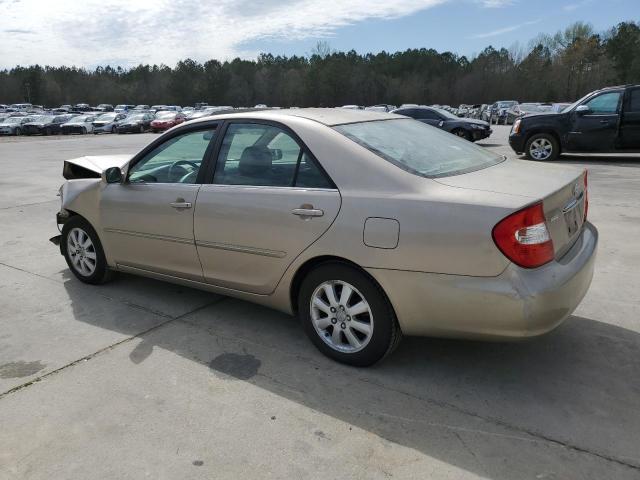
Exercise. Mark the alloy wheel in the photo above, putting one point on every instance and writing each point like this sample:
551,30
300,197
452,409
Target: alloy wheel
541,149
341,316
82,252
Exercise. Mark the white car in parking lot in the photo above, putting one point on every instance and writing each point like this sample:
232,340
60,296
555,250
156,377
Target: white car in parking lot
13,125
107,122
82,124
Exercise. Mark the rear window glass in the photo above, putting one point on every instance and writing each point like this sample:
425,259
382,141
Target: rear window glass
418,148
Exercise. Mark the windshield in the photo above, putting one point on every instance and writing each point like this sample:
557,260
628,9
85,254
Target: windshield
166,116
107,117
418,148
506,104
446,114
13,120
41,119
135,118
530,108
576,103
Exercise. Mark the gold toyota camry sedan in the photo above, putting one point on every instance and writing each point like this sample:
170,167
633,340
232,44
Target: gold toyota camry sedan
366,225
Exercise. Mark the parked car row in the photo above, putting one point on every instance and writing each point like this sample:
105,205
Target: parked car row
121,119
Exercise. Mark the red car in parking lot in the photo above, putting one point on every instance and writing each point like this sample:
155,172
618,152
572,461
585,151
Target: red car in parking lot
166,120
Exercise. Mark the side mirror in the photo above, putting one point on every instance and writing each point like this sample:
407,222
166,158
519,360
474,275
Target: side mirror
582,109
441,123
276,153
112,175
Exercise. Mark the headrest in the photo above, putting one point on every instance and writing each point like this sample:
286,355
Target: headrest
255,161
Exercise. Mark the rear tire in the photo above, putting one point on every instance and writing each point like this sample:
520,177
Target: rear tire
542,147
377,332
83,252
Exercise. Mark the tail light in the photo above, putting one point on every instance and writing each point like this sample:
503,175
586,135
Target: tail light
523,237
586,194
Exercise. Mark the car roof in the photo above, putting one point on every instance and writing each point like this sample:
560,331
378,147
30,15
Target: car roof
326,116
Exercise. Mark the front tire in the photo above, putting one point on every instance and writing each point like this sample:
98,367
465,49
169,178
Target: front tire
83,252
347,315
462,133
542,147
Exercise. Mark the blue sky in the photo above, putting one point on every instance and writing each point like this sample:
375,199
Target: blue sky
465,28
125,32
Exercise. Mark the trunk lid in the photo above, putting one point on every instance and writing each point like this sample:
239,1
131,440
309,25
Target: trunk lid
561,189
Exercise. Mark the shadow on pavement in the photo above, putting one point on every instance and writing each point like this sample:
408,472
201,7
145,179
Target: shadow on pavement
564,403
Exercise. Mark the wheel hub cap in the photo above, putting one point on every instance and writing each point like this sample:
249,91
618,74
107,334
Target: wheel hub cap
341,316
82,252
541,149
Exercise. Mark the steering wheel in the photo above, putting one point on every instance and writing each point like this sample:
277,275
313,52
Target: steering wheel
180,163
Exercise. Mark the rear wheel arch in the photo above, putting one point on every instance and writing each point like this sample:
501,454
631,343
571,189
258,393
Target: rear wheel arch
315,262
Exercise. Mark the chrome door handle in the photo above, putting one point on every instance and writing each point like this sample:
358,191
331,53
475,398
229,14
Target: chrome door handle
180,205
307,212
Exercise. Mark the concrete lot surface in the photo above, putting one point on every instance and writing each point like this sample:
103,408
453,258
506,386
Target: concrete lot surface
141,379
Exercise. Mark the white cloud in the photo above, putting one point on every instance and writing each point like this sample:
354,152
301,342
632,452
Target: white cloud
496,3
123,32
501,31
574,6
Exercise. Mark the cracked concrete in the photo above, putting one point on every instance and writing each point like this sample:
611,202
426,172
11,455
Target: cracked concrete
141,378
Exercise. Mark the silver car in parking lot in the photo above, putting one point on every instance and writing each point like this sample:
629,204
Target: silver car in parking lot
366,225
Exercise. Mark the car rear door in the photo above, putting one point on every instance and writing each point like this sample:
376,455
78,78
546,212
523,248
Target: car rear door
596,130
147,219
267,201
630,122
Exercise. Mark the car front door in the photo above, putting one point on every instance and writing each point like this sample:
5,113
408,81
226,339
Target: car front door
429,117
596,129
148,218
630,122
267,202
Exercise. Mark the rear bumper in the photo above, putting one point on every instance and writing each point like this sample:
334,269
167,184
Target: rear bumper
518,303
131,129
72,130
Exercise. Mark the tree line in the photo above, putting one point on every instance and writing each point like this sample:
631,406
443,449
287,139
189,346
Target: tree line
560,67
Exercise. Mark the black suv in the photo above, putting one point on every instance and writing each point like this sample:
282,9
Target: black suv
603,121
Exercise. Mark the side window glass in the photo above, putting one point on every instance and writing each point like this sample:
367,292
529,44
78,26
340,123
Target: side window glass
310,175
605,103
177,160
634,100
257,154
